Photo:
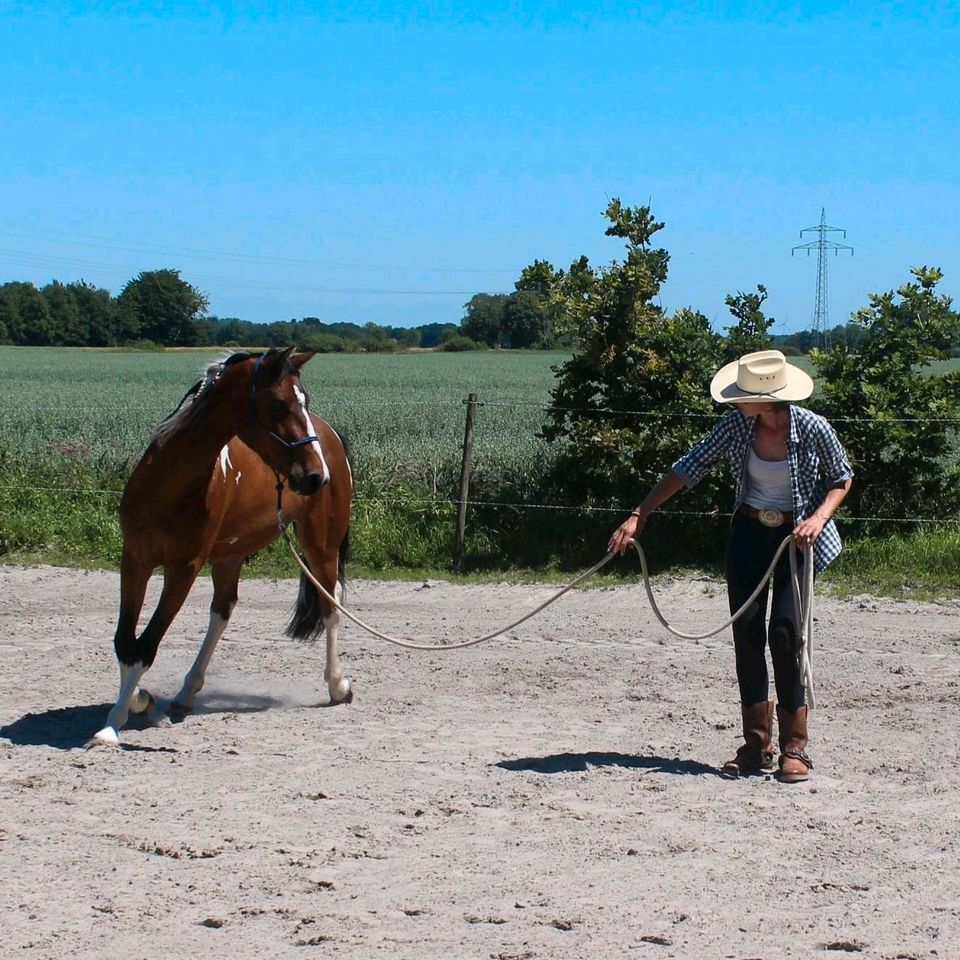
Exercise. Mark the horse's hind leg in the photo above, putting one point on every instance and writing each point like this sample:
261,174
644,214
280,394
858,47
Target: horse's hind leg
313,609
340,687
226,575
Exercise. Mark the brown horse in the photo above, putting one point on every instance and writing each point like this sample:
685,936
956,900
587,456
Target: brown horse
239,456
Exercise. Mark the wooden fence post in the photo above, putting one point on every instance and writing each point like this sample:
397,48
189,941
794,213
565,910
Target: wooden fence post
464,494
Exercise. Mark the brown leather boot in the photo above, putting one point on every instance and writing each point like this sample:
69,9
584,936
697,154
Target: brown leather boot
755,756
795,765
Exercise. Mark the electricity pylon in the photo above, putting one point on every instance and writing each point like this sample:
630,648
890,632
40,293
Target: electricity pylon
821,312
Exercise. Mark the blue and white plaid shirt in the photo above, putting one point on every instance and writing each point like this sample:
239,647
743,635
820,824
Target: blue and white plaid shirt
817,462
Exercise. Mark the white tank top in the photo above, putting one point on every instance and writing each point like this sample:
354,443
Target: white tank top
768,483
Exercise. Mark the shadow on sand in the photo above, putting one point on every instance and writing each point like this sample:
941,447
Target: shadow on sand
69,728
578,762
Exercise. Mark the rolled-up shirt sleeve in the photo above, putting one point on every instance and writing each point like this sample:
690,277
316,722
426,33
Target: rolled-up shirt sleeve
833,458
695,465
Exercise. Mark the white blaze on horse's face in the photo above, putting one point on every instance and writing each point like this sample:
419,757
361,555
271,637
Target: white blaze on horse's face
308,426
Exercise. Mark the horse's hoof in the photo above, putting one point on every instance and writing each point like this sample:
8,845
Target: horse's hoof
162,720
346,697
177,712
145,706
107,737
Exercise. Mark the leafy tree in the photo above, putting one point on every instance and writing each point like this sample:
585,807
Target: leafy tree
234,330
67,323
801,342
9,317
280,334
374,338
484,318
887,405
99,311
205,330
407,337
460,344
27,316
540,277
626,405
157,305
524,323
432,334
328,343
751,331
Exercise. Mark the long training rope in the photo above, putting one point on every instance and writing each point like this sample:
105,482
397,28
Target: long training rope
802,595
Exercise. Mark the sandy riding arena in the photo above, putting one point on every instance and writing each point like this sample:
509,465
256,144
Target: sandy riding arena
552,794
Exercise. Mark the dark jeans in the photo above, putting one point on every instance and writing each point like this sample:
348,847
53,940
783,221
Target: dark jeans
750,549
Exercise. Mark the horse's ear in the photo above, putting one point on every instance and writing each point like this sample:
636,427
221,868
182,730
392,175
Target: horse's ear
273,364
301,358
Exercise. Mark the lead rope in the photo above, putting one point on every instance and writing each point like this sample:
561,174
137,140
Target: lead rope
803,598
411,645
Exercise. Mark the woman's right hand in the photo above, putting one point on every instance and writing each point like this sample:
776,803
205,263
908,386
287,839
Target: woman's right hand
630,529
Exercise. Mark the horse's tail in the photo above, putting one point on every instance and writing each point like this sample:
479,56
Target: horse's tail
307,620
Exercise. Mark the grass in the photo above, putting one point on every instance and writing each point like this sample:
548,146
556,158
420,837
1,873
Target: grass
923,565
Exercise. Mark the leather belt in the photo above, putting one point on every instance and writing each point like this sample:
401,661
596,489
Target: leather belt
767,516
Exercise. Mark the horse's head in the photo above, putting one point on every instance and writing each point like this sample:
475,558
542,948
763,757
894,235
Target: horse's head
278,426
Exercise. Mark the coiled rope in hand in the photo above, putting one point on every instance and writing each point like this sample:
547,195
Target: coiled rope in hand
802,595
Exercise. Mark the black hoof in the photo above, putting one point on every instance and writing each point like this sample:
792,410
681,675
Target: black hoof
178,712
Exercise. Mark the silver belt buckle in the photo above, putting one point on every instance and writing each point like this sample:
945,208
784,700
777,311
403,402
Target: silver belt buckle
769,517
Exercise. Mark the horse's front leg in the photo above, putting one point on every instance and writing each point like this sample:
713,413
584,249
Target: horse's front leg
226,576
136,654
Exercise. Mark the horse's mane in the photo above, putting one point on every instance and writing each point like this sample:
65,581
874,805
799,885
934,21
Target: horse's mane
182,412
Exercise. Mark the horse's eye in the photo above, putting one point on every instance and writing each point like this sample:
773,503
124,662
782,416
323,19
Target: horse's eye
278,409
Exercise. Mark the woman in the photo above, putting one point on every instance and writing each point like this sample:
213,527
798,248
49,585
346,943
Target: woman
791,476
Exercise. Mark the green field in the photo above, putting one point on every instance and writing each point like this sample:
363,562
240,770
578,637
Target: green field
408,407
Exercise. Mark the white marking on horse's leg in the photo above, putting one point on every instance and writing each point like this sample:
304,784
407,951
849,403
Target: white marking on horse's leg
302,397
193,681
338,685
129,678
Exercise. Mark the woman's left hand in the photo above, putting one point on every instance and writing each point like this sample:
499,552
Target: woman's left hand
807,531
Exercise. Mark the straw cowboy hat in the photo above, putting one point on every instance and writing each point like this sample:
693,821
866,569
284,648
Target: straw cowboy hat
761,376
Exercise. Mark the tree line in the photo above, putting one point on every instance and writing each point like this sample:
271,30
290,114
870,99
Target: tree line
158,308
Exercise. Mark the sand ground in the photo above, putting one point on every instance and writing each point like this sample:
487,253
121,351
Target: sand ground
552,794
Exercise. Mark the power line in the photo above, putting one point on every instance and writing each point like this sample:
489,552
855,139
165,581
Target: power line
821,313
21,232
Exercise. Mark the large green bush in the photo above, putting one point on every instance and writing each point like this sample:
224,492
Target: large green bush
897,418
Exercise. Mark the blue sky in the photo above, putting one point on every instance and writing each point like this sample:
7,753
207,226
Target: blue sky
383,162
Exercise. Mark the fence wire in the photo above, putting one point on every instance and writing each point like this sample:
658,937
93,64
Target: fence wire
584,510
450,418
